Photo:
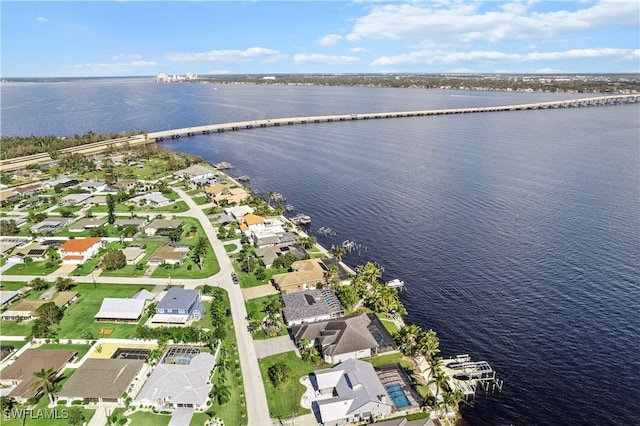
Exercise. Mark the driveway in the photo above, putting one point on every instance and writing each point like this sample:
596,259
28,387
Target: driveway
63,271
276,345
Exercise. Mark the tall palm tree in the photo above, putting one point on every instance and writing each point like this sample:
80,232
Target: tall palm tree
46,382
407,339
220,393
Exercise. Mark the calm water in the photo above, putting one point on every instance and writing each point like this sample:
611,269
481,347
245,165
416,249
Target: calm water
517,233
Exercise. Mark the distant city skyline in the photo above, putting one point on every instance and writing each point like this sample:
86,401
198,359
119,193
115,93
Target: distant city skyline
144,38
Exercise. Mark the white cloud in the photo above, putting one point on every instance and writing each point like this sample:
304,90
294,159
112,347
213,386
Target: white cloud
42,19
358,50
131,56
324,59
330,39
455,22
223,56
480,57
116,68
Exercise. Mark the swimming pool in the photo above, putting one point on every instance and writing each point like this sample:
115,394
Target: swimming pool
398,396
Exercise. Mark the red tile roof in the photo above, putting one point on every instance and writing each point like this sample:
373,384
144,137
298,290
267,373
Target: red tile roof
79,244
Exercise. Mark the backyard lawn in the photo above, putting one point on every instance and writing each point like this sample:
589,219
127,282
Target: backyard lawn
12,285
250,280
78,320
33,268
80,349
285,401
132,270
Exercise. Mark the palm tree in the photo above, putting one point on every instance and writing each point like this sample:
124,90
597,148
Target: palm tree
338,252
220,393
429,345
407,338
46,382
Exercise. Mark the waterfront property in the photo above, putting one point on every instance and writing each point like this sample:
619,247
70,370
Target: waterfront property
19,375
357,336
178,306
102,380
305,275
349,392
179,384
311,306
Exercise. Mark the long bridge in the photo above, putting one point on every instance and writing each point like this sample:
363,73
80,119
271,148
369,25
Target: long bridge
21,162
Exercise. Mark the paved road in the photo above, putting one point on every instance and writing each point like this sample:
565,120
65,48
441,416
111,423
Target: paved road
257,408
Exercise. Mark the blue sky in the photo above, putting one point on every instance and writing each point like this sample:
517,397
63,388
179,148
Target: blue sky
129,38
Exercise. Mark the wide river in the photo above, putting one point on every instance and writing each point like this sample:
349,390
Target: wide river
517,233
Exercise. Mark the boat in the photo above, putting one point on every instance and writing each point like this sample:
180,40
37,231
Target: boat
289,208
396,283
244,178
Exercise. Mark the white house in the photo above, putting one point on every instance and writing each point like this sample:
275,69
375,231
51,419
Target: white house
79,250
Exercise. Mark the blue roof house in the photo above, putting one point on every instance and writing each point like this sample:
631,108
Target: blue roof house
178,306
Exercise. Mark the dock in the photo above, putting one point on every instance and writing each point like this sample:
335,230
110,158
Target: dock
301,219
395,283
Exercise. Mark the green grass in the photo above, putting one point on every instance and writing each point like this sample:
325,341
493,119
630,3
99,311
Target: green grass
178,207
255,306
33,268
200,200
198,419
12,285
388,323
206,321
250,280
78,318
130,270
80,349
12,328
146,418
68,208
230,247
17,344
285,400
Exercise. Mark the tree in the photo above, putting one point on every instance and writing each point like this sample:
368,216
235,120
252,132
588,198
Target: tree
38,284
8,227
175,235
198,251
220,393
369,272
76,417
347,295
338,252
49,313
307,242
6,404
46,382
111,207
260,273
279,373
407,339
113,259
64,284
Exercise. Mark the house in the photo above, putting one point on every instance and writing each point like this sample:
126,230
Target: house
102,380
179,385
238,212
132,222
28,190
118,309
79,250
306,274
34,251
25,309
124,185
133,254
353,393
18,221
145,295
7,297
94,185
169,253
86,223
356,336
19,375
74,199
231,196
251,222
155,199
50,225
163,226
194,172
311,306
9,243
96,200
178,306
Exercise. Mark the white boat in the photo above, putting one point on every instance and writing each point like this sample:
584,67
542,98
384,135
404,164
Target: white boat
395,283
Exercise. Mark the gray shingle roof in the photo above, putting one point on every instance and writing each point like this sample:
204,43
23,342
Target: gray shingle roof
102,378
310,304
178,298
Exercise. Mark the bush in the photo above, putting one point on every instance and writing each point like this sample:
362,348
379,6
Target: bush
78,402
61,402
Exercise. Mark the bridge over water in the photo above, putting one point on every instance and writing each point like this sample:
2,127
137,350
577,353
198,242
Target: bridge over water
275,122
21,162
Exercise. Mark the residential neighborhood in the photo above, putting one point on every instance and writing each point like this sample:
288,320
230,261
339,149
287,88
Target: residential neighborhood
181,297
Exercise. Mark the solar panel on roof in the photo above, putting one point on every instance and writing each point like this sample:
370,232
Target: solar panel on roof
36,252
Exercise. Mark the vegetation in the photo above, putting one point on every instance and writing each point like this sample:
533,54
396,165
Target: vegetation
113,259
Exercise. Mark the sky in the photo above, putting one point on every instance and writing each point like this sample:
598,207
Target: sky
143,38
